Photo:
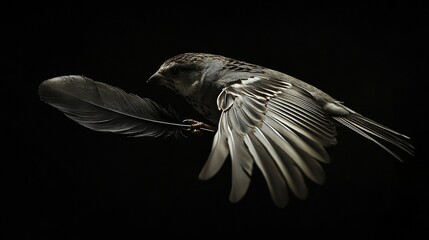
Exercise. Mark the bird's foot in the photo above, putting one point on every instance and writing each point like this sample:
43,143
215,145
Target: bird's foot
198,128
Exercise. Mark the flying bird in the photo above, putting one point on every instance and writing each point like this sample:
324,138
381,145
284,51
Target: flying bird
261,117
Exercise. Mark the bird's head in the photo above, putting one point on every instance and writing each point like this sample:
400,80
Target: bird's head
186,73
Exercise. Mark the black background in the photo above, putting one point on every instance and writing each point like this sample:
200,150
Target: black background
73,183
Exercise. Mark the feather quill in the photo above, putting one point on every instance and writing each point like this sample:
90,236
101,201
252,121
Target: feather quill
101,107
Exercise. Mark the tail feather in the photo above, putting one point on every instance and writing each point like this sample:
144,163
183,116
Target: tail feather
376,132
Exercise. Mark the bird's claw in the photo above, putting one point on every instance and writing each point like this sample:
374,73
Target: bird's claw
198,128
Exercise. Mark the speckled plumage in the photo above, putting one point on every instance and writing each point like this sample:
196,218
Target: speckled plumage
268,119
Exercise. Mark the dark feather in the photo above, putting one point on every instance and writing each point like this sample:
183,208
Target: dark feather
104,108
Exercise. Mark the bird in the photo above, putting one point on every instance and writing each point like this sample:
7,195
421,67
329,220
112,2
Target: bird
262,118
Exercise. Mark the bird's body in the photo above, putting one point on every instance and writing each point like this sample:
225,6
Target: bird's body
227,71
264,118
267,118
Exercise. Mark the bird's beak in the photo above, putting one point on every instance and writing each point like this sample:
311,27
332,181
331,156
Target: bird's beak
156,78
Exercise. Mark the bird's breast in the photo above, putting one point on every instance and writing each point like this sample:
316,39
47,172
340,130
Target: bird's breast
204,101
206,108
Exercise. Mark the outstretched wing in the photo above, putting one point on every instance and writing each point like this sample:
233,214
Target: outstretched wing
276,125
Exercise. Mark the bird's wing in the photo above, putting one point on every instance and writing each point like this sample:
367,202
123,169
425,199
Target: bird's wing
276,125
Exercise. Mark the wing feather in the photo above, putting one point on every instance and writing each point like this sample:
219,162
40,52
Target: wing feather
242,164
288,169
275,181
279,127
295,155
314,149
218,153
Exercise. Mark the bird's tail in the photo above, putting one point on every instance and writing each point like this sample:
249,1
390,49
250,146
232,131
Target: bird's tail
375,132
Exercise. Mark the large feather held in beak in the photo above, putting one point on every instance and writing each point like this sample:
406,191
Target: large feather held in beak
104,108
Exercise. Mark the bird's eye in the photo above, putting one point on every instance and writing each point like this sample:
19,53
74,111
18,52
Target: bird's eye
175,71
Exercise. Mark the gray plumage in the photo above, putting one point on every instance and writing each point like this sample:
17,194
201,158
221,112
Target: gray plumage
104,108
266,118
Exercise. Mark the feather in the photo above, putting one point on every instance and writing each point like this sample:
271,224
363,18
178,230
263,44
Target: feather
314,149
275,181
242,165
290,171
370,129
368,132
218,153
104,108
286,150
